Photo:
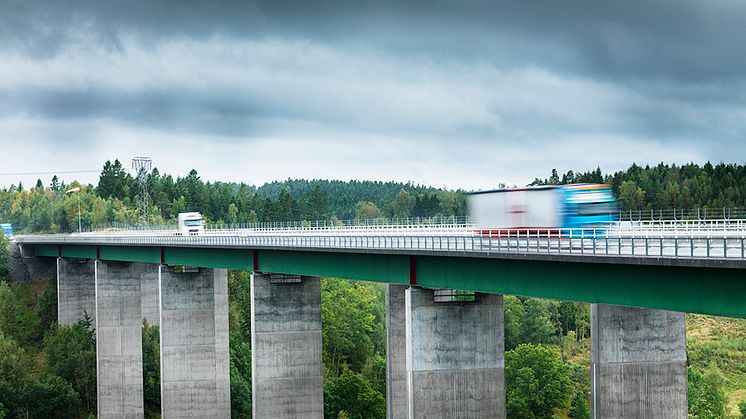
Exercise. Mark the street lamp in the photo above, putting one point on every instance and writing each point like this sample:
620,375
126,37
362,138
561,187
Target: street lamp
80,224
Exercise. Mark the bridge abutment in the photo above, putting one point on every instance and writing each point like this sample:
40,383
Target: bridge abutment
396,352
455,356
119,338
638,363
286,360
195,365
76,290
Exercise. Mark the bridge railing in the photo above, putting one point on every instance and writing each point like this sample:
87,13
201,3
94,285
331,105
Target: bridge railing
376,223
681,214
599,242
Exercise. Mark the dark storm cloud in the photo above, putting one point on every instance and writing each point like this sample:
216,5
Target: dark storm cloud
449,78
686,40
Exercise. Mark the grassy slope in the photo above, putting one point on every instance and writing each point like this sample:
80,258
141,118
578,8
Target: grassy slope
721,342
710,340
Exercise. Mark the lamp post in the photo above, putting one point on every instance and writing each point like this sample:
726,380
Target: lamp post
80,223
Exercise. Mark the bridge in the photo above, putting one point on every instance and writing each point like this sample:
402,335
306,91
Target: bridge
445,353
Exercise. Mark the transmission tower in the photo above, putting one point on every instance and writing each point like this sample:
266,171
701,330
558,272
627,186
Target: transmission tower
142,166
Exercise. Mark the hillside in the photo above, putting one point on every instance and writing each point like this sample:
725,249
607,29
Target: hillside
716,342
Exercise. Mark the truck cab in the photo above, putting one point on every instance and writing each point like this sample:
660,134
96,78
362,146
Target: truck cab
191,224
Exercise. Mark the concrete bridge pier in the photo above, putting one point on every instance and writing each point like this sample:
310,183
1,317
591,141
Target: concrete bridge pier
119,338
397,400
287,370
638,363
455,356
76,290
195,365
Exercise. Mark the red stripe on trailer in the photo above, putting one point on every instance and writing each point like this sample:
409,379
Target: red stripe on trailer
256,260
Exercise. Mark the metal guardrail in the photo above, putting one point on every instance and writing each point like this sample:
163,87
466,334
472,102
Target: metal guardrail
710,240
678,214
305,224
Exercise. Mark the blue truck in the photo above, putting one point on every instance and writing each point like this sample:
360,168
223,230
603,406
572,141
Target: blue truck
7,230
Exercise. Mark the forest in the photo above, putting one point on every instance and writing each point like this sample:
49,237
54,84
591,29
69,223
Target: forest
547,342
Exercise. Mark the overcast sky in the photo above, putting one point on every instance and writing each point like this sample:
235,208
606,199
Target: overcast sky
446,93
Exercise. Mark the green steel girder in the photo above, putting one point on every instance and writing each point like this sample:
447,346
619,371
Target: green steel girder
716,291
209,257
706,290
361,266
130,254
80,252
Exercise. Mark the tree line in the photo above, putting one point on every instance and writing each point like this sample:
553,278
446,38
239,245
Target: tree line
47,208
667,186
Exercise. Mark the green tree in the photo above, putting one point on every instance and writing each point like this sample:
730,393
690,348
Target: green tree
151,366
71,354
537,381
706,393
46,309
51,397
318,206
365,210
514,314
375,372
240,370
4,257
232,213
114,181
239,320
239,304
538,325
17,321
402,205
350,318
742,408
354,395
580,407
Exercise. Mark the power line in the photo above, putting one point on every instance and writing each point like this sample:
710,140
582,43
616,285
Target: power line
62,172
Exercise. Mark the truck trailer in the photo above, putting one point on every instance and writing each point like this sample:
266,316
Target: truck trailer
543,207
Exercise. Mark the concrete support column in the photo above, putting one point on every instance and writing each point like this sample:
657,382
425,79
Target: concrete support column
396,352
455,356
638,363
119,339
76,290
195,376
287,370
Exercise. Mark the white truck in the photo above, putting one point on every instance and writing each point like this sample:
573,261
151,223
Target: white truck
191,224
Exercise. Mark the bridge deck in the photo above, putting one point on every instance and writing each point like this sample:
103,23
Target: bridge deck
699,270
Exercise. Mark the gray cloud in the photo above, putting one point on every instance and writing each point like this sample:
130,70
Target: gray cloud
429,81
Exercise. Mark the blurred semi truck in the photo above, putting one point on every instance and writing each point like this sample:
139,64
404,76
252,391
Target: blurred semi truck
543,207
191,223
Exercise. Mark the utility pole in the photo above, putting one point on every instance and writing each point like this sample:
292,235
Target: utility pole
142,166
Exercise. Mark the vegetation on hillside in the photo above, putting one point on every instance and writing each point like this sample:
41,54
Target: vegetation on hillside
667,186
547,342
